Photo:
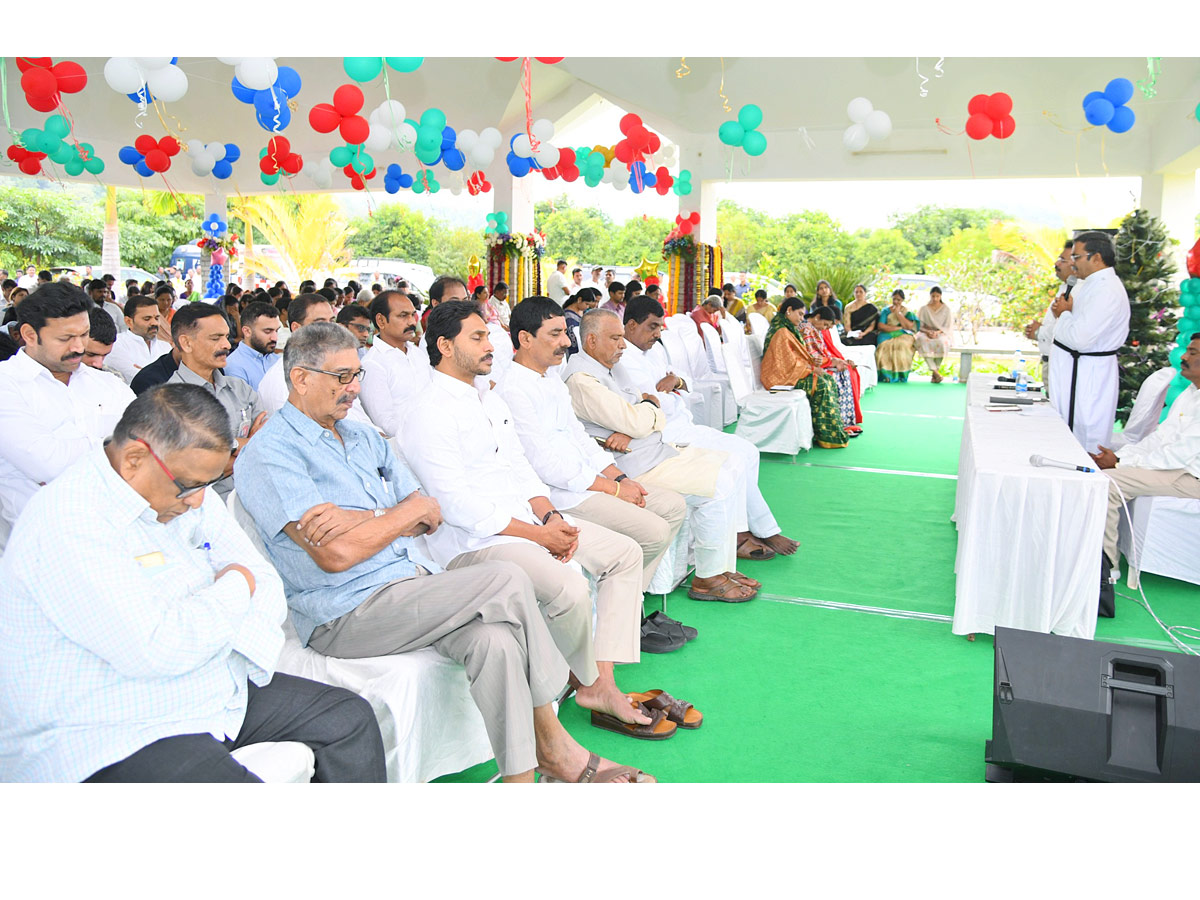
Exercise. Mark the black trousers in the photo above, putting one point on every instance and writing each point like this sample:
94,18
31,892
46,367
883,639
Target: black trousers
338,725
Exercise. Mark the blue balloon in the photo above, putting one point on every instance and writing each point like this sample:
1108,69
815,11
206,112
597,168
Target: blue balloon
1094,95
288,81
242,93
519,166
1119,91
448,137
454,159
406,181
222,169
142,169
265,100
129,156
232,153
140,96
267,119
1122,120
1099,111
174,59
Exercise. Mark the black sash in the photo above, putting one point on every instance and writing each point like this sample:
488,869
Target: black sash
1075,354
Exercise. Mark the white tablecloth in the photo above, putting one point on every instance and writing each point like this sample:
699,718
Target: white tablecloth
1029,538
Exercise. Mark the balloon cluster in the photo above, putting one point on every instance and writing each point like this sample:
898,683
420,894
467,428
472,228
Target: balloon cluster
497,223
425,181
320,171
869,124
214,159
684,225
683,183
148,156
214,226
28,161
390,128
566,167
430,136
146,78
522,157
591,163
342,116
49,141
267,87
743,132
479,149
394,179
640,177
367,68
663,181
478,184
1108,107
990,114
638,141
278,157
358,180
44,84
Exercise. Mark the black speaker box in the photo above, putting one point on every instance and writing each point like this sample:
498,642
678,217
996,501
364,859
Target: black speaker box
1072,708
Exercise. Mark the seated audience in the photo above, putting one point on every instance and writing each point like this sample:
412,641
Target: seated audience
825,297
762,306
395,369
256,353
158,372
149,655
99,291
53,410
202,336
141,344
643,368
357,320
896,345
820,345
499,302
734,304
860,320
1165,463
787,362
616,298
632,425
937,326
444,288
339,513
101,337
632,289
573,309
709,311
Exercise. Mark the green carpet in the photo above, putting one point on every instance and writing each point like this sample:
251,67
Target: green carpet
797,692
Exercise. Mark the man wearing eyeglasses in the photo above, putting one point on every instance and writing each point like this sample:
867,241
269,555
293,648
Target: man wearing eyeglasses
201,332
1091,326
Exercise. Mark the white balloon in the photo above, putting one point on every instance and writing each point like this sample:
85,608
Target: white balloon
621,183
547,156
465,140
456,189
521,146
257,72
230,60
481,156
168,84
202,167
878,125
123,75
543,130
855,138
151,63
491,136
858,109
216,150
406,137
389,113
379,137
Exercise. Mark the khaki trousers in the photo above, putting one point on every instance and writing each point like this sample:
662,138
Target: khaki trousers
653,526
484,617
1135,482
564,595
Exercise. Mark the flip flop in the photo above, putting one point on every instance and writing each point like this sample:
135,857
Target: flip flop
592,775
680,712
745,580
659,728
759,551
721,592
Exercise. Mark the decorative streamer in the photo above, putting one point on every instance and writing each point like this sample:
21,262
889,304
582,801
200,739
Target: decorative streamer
721,89
808,142
683,71
937,68
1148,85
924,81
159,109
16,135
527,87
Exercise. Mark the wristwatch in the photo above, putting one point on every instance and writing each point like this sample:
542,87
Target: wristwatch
379,512
553,512
620,478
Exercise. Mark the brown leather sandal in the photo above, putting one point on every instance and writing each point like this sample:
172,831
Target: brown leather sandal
752,548
744,580
722,591
680,712
592,775
659,729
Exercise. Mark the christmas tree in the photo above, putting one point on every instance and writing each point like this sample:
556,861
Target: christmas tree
1145,266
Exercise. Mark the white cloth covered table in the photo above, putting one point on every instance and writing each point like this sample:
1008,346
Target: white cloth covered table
1029,538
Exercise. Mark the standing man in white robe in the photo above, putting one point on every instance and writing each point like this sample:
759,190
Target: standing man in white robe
1092,324
1043,331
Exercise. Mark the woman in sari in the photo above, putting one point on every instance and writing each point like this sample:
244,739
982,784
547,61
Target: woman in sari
824,326
787,361
762,306
826,297
861,320
933,340
894,355
813,331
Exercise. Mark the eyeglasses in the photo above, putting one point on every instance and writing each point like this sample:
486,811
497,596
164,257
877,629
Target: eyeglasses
342,377
1083,256
184,491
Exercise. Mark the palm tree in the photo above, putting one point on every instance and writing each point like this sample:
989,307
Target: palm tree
308,231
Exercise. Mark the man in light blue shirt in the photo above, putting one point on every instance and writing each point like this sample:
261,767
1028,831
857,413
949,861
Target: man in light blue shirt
150,655
256,353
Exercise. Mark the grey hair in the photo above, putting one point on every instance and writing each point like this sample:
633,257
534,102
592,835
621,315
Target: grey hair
590,323
174,417
308,346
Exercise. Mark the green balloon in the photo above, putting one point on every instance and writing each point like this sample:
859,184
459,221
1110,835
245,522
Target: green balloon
754,143
591,179
418,186
49,144
731,133
405,63
57,126
433,118
268,179
434,187
749,117
64,153
74,166
340,156
362,163
427,156
363,68
95,165
682,188
30,138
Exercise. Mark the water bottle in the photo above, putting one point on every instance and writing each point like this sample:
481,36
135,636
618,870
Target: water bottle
1022,376
1016,364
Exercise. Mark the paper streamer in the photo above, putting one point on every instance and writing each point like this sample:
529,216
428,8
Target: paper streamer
683,71
1148,85
924,81
721,89
527,87
808,142
937,68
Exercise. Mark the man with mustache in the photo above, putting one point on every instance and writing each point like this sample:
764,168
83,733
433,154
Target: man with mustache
53,409
397,367
256,353
201,333
140,345
1165,463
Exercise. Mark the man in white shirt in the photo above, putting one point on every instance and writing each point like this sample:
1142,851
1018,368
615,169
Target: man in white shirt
140,345
29,280
556,285
576,281
397,369
643,367
711,481
102,297
53,409
1092,325
462,445
597,282
1165,463
149,655
1043,331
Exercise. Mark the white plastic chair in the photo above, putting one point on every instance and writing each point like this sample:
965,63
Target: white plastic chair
1164,538
703,374
863,357
713,348
758,331
705,397
1147,408
278,762
502,350
773,422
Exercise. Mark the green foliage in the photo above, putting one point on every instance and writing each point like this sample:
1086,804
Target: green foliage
589,235
928,227
46,228
885,250
149,232
637,239
396,231
842,280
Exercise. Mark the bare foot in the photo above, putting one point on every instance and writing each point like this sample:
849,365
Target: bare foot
781,544
744,580
609,699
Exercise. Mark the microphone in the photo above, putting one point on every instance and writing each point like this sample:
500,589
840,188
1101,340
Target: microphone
1038,460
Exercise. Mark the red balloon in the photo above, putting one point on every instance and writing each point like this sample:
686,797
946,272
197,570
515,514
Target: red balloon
44,104
639,136
549,60
348,100
354,129
655,142
15,153
30,166
1193,260
998,106
144,144
292,163
267,164
168,145
349,170
694,218
324,118
370,175
506,58
628,121
685,227
279,146
979,126
1002,128
570,174
71,77
39,83
157,161
25,63
977,104
624,152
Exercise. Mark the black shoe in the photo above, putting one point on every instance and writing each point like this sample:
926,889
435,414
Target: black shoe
667,625
1108,597
655,640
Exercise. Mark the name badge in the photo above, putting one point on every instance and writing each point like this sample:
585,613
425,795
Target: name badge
150,560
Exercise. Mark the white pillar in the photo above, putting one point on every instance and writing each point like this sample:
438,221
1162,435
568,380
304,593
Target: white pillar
1172,198
213,203
703,198
515,197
